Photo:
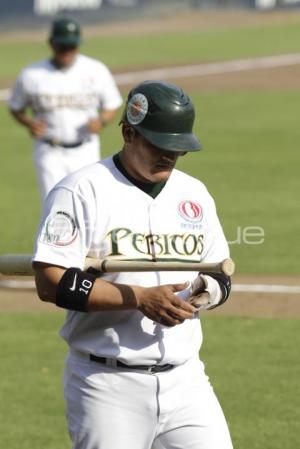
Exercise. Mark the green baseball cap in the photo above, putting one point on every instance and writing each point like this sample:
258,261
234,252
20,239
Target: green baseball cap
65,31
163,114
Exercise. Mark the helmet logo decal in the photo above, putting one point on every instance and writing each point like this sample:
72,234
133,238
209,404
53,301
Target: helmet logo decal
137,109
71,27
190,211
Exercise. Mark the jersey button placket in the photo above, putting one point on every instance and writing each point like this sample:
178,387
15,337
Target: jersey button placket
151,217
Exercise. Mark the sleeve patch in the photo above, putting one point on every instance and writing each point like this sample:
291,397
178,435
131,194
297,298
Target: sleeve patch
59,229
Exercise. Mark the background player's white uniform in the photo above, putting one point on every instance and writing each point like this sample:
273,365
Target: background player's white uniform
65,99
98,212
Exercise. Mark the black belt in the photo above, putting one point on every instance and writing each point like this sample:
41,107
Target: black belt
58,143
149,368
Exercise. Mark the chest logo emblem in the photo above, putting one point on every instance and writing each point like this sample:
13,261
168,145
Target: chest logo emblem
190,211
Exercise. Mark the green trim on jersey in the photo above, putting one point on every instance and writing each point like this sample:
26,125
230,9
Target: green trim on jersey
151,188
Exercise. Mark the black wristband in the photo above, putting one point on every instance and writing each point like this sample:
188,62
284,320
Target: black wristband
225,285
74,289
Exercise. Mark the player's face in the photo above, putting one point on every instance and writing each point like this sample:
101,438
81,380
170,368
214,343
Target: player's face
144,161
64,55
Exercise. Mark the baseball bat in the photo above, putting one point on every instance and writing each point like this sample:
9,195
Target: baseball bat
20,264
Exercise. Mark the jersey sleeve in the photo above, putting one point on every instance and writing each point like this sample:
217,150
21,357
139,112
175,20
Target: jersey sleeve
110,97
215,246
19,98
65,233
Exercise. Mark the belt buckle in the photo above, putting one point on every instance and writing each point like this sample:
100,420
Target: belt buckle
151,369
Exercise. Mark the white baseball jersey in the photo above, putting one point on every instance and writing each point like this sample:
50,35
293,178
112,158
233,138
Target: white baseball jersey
98,212
66,98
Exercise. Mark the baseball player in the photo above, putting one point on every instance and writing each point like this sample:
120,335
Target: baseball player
133,378
72,97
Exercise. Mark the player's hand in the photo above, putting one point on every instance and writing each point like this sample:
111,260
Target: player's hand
160,304
198,286
94,125
37,128
199,298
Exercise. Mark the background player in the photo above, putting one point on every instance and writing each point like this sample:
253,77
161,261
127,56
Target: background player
66,94
133,376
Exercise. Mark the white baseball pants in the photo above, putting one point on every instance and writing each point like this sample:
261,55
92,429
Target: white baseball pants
116,408
54,163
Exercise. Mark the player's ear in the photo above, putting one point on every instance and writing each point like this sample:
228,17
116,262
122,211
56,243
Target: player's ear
128,133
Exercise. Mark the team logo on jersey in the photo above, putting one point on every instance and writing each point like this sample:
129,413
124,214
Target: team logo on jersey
81,100
190,211
60,229
123,242
137,109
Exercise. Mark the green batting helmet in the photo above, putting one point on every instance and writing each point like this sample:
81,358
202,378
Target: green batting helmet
164,114
65,31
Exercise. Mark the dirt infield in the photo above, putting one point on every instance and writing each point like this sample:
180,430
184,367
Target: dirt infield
279,78
273,305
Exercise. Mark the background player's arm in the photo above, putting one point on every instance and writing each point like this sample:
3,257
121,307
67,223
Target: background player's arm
109,98
36,127
158,303
95,125
18,105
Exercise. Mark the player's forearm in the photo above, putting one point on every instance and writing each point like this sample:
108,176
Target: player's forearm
96,125
104,295
74,289
110,296
22,117
107,116
36,127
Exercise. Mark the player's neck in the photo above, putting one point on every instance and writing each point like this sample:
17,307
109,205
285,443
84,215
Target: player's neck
57,65
151,188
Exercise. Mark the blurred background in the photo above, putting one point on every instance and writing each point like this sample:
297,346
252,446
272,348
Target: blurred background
36,12
240,62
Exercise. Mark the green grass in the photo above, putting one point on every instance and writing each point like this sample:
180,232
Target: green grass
164,48
31,406
254,370
254,367
250,164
